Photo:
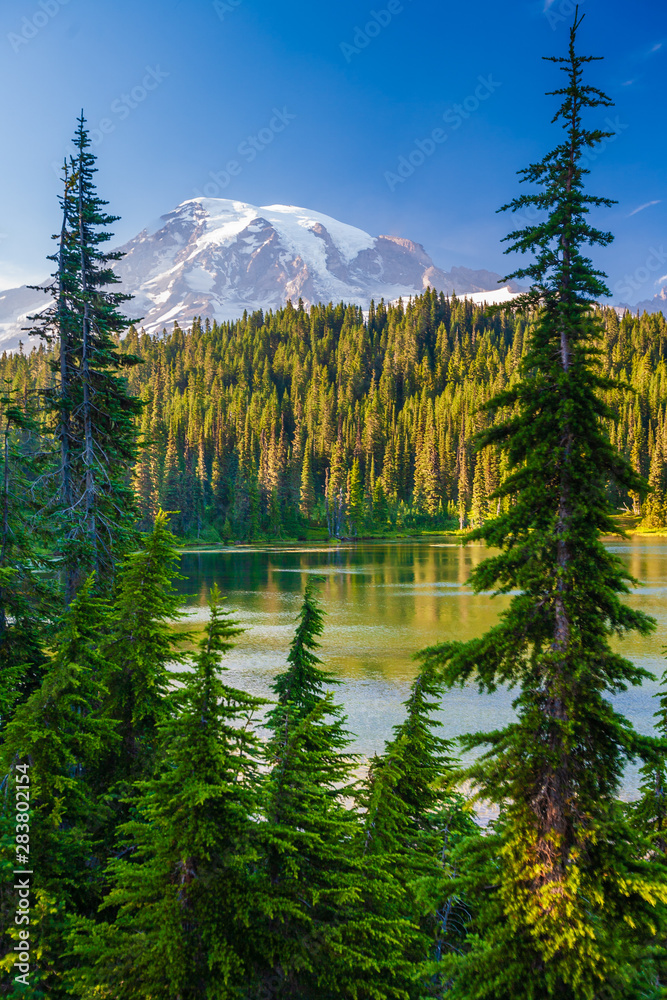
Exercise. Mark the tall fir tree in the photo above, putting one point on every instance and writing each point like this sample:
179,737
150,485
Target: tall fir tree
381,512
307,492
145,492
95,413
463,480
563,896
427,493
356,506
335,493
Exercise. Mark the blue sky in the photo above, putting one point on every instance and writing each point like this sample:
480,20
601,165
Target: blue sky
316,104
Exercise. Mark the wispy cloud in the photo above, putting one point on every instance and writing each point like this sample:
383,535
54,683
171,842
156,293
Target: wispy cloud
660,280
547,4
642,207
628,83
657,47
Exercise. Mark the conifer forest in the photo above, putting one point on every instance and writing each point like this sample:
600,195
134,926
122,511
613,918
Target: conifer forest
167,836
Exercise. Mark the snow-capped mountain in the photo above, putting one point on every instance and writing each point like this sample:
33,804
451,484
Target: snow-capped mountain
16,305
215,257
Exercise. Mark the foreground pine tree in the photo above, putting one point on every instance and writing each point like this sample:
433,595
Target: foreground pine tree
179,905
27,598
140,647
327,931
412,823
93,410
563,896
61,732
301,687
405,792
307,828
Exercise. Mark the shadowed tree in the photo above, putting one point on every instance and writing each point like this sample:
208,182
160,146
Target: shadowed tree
326,932
412,822
61,732
180,896
27,597
139,649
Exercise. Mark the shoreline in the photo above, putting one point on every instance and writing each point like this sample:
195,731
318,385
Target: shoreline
628,529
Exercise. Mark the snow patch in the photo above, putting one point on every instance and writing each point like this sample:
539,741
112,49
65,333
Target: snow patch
200,280
348,240
492,298
226,218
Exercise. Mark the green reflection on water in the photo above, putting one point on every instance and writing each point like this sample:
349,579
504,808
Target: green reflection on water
384,601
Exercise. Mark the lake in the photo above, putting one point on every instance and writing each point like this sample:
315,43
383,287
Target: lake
384,600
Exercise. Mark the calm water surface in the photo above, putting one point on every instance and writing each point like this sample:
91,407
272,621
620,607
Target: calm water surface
384,601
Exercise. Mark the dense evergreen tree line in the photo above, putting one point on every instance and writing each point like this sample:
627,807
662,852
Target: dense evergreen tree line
280,422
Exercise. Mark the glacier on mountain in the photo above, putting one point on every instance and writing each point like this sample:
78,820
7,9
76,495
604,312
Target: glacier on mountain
216,257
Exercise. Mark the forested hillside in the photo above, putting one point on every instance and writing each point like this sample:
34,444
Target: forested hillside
280,422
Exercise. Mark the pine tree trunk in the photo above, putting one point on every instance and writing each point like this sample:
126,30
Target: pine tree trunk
65,379
550,803
64,413
88,452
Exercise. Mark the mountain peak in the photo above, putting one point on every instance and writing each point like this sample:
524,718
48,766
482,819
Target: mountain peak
216,257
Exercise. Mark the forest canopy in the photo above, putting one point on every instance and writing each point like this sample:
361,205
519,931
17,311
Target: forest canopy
361,423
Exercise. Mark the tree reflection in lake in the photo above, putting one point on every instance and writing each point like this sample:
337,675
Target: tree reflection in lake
384,601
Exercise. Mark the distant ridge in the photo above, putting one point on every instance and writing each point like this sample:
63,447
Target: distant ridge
657,304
